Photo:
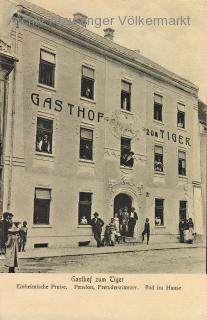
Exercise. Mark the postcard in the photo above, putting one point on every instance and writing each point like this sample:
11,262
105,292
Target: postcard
103,159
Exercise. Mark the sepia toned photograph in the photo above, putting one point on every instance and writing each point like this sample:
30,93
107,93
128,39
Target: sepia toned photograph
103,136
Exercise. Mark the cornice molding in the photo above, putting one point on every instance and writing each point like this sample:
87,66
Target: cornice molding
81,39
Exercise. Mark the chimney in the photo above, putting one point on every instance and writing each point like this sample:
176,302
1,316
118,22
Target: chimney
109,34
80,18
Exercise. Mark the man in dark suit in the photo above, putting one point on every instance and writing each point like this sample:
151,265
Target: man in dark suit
133,217
5,224
97,225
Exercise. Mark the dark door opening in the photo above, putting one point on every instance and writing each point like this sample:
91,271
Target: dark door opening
122,200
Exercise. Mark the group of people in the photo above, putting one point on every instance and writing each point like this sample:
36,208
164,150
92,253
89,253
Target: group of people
122,225
13,238
186,229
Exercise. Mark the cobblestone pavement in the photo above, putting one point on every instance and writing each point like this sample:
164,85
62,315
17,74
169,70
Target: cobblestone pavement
185,260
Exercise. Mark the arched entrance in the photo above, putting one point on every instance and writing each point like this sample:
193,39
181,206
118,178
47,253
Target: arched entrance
122,200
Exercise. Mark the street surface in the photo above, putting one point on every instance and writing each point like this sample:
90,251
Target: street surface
185,260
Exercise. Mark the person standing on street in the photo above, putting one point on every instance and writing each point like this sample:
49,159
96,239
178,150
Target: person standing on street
146,230
97,225
5,224
12,249
133,217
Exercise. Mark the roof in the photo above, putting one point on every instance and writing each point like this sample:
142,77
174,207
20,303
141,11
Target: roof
88,36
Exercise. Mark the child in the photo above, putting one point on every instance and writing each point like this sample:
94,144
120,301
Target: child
83,220
23,236
146,230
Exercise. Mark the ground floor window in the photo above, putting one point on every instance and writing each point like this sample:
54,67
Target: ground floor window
84,208
42,206
183,209
159,212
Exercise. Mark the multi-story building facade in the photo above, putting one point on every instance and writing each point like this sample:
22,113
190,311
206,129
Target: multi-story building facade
96,127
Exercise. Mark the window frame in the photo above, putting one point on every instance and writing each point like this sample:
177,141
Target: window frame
162,158
36,204
48,64
185,161
160,105
84,202
128,93
49,132
129,150
180,112
91,141
87,78
162,214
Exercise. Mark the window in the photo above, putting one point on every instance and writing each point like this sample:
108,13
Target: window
47,68
183,210
127,156
157,107
159,212
42,206
86,144
84,208
158,158
44,135
182,163
125,95
181,115
87,83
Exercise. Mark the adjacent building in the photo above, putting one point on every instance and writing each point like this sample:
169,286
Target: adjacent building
94,126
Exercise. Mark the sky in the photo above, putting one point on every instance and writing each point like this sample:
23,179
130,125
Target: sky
181,49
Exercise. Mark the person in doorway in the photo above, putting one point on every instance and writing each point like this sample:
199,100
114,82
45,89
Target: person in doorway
146,230
133,217
12,249
97,225
23,236
125,221
116,221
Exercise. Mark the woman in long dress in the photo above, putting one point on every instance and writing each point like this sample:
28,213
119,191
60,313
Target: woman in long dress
12,249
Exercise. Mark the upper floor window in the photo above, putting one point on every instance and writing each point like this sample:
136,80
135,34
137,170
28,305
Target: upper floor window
44,135
47,68
182,163
127,156
86,144
159,212
158,158
42,206
157,107
87,83
181,115
125,95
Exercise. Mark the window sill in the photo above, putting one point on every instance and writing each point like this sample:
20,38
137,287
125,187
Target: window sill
181,129
159,173
84,226
44,86
87,163
127,112
35,226
125,167
161,123
88,100
44,156
182,177
160,227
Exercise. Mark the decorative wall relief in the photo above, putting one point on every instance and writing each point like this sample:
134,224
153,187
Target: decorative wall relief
125,124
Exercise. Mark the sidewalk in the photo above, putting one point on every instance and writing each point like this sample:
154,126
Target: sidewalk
119,248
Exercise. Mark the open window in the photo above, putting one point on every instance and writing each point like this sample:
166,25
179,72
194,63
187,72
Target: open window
125,95
87,83
181,115
158,104
47,68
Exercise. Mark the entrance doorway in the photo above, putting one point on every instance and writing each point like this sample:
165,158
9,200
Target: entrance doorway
122,200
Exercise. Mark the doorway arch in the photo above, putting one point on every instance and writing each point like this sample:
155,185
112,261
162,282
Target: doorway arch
122,200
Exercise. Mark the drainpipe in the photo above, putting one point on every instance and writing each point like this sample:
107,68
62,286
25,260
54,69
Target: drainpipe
12,123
